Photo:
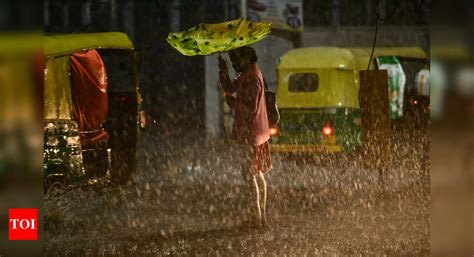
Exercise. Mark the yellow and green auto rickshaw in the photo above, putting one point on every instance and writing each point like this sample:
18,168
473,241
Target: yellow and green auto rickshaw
90,107
318,97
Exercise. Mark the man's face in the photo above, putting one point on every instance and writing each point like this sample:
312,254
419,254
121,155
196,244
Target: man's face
236,62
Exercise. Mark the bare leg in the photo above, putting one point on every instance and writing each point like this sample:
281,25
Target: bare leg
262,186
253,196
248,190
256,196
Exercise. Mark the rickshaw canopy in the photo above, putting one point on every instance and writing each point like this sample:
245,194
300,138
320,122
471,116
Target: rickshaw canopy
333,68
317,58
337,74
57,49
412,52
66,44
342,58
362,55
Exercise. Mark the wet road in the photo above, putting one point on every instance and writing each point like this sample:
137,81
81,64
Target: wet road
188,200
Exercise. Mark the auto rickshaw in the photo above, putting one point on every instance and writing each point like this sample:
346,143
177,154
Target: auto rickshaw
90,107
318,97
405,105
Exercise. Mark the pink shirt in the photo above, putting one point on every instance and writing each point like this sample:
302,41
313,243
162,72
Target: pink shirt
251,121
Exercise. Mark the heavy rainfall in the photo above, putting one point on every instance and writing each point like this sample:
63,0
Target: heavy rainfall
189,200
187,196
147,149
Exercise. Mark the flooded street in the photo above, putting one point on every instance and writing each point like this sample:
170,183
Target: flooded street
189,200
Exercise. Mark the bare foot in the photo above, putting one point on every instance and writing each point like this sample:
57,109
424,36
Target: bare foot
265,223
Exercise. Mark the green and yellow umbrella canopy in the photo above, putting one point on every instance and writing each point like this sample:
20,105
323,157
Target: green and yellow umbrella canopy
205,39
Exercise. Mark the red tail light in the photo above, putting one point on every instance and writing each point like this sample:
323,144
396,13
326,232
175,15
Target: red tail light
327,128
273,131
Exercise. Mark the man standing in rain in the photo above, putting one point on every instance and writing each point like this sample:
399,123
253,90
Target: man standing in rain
246,95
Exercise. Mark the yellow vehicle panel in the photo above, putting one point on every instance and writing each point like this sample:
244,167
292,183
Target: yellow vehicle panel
57,90
337,88
65,44
317,57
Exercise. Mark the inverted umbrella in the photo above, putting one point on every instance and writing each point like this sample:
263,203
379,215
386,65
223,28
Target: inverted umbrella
205,39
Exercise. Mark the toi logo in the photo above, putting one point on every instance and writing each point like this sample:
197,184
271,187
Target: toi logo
23,224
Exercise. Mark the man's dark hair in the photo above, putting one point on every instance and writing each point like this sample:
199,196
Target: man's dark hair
246,52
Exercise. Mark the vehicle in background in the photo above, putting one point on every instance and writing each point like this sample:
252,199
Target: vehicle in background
318,96
89,78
